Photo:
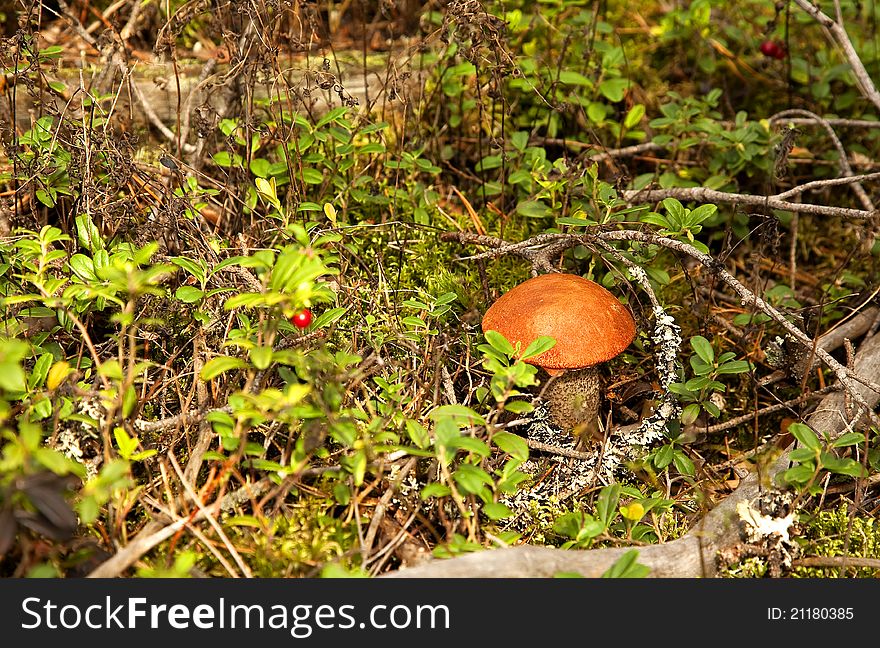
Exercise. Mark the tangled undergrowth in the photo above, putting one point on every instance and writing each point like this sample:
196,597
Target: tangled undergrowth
246,250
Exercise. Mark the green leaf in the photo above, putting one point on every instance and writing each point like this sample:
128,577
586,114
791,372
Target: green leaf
703,348
12,377
328,317
470,444
417,433
664,456
798,475
189,294
805,436
683,464
634,116
87,234
700,214
331,116
734,367
459,414
712,409
514,445
261,357
88,509
519,176
520,140
195,268
690,413
849,439
496,510
219,365
799,455
570,77
471,479
613,89
500,343
83,267
674,212
435,489
312,176
488,162
129,401
606,504
578,525
46,197
538,347
57,462
53,51
627,567
373,147
533,209
260,167
223,159
575,222
125,443
653,218
40,371
841,466
518,407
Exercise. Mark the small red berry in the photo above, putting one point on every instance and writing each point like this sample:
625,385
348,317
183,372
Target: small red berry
773,49
303,318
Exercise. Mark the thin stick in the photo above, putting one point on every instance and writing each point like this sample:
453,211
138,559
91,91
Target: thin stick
209,516
836,561
153,533
379,512
748,418
842,159
706,195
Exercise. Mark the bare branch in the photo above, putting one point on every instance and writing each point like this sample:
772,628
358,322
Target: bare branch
706,195
842,159
828,182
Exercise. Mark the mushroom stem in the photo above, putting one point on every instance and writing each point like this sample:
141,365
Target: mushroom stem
574,402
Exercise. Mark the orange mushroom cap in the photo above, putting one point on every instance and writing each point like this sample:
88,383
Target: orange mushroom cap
588,323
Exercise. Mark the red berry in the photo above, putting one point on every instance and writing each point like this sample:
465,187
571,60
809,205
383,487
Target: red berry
773,49
303,318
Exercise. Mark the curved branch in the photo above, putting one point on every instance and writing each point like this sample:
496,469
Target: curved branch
842,159
706,195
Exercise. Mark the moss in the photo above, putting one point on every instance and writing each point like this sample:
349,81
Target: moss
297,544
825,534
748,568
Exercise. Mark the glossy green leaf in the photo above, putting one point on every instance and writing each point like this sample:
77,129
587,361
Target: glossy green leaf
220,365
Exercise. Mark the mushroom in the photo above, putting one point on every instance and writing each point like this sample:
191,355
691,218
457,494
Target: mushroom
590,326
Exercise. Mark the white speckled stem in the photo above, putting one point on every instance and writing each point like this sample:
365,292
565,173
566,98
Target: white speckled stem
574,402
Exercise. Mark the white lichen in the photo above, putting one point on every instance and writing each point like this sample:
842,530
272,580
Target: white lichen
759,527
622,447
667,341
69,439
